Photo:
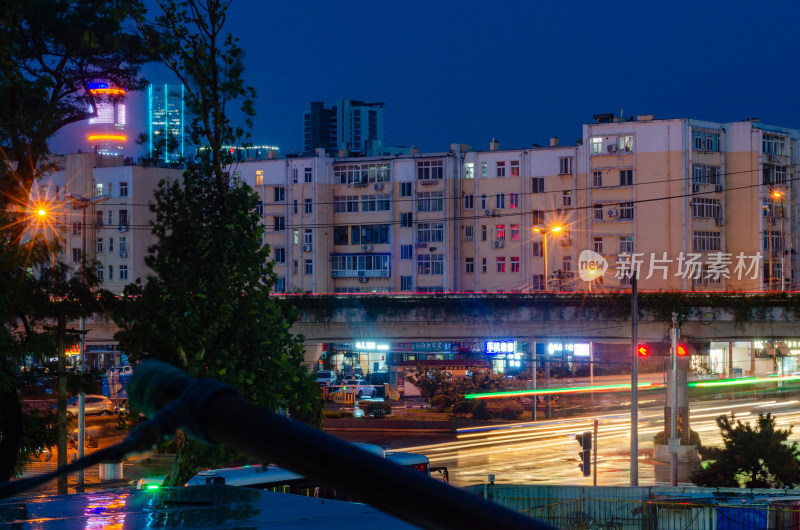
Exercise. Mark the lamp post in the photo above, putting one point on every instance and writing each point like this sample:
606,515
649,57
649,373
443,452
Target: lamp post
82,203
544,245
780,196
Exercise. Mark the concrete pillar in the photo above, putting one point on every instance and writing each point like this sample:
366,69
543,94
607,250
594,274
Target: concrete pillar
683,401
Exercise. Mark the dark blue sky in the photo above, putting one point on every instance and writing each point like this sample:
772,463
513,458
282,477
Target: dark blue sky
520,72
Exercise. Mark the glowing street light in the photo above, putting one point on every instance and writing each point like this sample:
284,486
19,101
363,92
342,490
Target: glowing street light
544,245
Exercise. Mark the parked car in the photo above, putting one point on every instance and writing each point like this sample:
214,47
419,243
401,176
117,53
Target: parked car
326,377
125,370
379,378
359,387
93,404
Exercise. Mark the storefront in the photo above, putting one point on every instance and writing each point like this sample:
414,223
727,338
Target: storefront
366,356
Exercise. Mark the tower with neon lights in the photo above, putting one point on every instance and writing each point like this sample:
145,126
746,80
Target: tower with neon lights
107,129
165,107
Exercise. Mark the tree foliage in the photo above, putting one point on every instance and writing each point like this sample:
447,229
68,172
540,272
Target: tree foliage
428,381
755,456
207,308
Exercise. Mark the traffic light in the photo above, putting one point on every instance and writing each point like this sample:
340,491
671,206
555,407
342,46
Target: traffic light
585,441
681,350
643,350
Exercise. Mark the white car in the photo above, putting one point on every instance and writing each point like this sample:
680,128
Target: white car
359,387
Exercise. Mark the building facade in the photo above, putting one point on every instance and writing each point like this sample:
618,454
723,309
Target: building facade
165,118
351,125
106,135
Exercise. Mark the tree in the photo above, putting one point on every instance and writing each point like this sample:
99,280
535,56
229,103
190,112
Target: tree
50,50
207,308
428,381
754,456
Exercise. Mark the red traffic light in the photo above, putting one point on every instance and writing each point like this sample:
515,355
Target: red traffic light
681,350
643,350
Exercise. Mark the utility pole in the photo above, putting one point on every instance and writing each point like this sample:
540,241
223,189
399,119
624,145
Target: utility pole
634,462
674,441
61,400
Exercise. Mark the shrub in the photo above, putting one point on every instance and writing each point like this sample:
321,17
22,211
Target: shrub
463,407
694,438
337,414
506,409
442,403
375,409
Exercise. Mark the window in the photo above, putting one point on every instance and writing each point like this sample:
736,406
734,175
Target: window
280,284
294,207
515,232
500,232
99,245
430,201
704,241
108,190
501,169
598,212
500,200
483,265
501,264
405,189
515,264
515,168
597,179
280,254
430,232
405,220
468,233
260,208
469,170
123,272
537,185
469,265
537,217
279,194
598,245
110,272
110,217
375,203
405,283
98,219
307,176
42,192
345,204
430,264
513,200
406,251
626,245
123,189
100,272
703,174
308,236
706,208
777,241
259,177
123,218
375,234
360,265
705,140
123,246
294,175
537,282
565,165
626,144
309,266
308,206
341,235
361,173
98,189
626,177
566,264
296,238
597,145
483,232
111,244
566,198
537,249
483,169
76,229
469,202
483,202
626,210
773,174
279,224
430,170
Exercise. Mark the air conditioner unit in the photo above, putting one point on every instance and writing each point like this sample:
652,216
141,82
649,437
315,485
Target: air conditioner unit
695,188
123,253
720,221
123,228
379,186
612,148
559,211
498,244
366,248
363,279
612,213
306,248
488,213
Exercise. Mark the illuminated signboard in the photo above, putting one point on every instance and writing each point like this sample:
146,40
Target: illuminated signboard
371,346
579,350
501,346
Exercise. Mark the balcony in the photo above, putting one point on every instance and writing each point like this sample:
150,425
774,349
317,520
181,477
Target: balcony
360,274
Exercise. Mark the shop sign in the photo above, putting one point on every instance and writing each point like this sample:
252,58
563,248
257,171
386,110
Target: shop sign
371,346
578,350
428,347
500,346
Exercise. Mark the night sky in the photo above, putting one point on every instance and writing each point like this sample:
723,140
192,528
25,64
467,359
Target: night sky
519,72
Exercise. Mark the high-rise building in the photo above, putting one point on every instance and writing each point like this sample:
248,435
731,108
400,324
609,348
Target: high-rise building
107,130
166,109
351,125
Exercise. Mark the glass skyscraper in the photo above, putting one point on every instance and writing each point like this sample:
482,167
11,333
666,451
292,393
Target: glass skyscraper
166,122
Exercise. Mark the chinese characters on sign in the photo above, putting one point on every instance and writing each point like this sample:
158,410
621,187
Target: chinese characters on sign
501,346
690,266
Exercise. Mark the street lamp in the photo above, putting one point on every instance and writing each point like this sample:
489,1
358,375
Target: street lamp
82,203
544,245
780,196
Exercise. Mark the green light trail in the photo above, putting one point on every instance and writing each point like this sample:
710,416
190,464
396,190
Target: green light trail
563,390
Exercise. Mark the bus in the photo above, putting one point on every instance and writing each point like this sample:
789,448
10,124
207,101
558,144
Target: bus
276,479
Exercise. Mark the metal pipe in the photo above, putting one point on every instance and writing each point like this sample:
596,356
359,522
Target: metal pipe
634,457
673,417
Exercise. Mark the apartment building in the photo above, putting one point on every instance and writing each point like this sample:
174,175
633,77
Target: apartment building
689,204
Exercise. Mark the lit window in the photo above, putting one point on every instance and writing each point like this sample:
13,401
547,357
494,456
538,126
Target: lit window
515,264
515,232
501,169
500,231
501,264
